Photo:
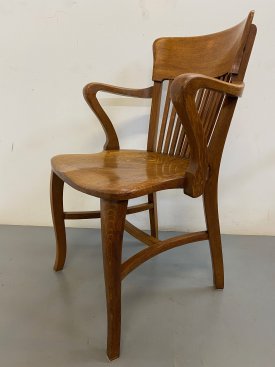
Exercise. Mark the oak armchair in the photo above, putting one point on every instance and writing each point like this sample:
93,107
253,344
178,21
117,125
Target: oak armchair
205,78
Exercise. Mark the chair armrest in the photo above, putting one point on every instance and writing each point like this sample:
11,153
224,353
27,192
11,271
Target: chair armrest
90,92
183,93
193,82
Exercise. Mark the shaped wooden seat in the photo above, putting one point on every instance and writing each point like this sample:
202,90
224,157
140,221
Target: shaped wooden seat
120,174
204,77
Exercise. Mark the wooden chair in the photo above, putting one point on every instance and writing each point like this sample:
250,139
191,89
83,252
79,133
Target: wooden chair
205,78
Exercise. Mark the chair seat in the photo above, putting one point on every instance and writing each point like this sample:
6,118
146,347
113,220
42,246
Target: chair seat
120,174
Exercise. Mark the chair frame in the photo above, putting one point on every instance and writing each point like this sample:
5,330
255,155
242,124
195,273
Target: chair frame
201,179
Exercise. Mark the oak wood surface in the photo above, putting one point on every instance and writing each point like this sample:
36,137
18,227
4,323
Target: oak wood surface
120,174
158,247
96,213
90,91
153,214
184,150
183,93
112,225
212,55
56,191
139,234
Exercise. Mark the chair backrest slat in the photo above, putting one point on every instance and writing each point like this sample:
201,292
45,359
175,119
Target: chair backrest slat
217,55
180,142
175,137
169,130
164,118
154,117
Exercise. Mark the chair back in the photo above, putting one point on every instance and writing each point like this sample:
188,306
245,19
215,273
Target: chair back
223,55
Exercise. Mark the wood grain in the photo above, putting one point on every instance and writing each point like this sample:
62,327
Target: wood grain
112,226
120,174
184,150
159,247
56,191
153,214
133,209
212,55
90,91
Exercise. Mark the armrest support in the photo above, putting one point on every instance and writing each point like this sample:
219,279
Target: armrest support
90,92
183,93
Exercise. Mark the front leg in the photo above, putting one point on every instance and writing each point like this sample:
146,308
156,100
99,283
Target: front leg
113,215
210,200
57,186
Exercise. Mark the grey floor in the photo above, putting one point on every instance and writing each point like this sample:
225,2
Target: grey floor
172,316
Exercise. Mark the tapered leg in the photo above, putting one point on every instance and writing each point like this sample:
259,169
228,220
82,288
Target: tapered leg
153,214
57,186
210,199
113,215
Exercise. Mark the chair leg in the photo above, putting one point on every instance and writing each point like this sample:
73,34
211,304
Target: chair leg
57,186
210,199
113,215
153,214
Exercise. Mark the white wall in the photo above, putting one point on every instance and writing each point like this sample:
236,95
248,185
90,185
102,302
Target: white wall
50,49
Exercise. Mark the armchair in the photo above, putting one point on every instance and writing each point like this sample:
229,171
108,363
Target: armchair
184,149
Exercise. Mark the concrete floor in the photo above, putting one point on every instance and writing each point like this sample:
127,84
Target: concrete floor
171,314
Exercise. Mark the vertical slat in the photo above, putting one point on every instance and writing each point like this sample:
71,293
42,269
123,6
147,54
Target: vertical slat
154,117
172,138
175,137
218,99
180,141
214,111
164,118
183,146
208,105
205,104
169,131
208,109
199,98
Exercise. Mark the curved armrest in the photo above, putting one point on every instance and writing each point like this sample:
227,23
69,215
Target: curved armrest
183,93
90,92
193,82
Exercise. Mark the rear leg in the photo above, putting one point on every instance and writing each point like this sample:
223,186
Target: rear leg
153,214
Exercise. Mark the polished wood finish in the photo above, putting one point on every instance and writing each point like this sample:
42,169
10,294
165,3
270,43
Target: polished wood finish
198,80
57,186
153,214
120,174
158,247
112,225
212,55
90,92
96,213
154,117
183,91
140,235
